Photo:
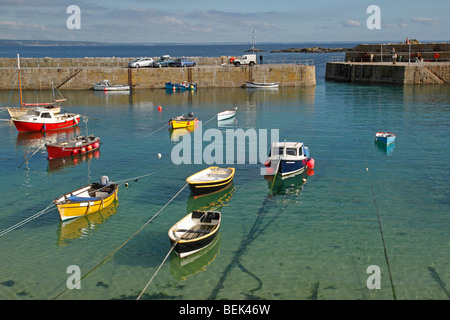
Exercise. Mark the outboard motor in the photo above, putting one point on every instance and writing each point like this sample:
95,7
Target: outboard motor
104,181
190,114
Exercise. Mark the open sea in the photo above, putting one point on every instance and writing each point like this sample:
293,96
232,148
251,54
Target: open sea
316,236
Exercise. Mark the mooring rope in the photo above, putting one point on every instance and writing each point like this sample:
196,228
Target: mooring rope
21,223
380,228
123,244
154,275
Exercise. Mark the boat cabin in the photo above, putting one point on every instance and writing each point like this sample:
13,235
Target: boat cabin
288,150
39,112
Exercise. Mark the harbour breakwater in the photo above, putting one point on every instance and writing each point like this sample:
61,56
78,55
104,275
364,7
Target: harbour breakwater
400,73
215,72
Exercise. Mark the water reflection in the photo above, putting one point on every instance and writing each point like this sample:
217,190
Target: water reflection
84,227
181,269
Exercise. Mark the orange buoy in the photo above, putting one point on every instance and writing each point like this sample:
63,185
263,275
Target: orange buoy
83,150
89,148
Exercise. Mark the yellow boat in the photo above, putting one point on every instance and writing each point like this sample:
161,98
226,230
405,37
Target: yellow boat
183,121
87,199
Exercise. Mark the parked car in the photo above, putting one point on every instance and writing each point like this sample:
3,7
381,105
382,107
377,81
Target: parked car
141,62
164,61
183,62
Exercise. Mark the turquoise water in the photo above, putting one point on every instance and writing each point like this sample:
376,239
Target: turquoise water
285,240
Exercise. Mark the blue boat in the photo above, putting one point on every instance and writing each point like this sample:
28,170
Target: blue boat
184,86
287,158
386,138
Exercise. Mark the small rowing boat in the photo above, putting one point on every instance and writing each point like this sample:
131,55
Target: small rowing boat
104,85
211,179
194,232
87,199
181,86
183,121
227,114
267,85
385,137
73,147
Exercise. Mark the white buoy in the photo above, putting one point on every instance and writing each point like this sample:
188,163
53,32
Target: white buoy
159,155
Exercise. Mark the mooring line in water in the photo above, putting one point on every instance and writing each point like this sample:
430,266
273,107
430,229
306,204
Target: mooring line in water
154,275
21,223
380,228
123,244
32,154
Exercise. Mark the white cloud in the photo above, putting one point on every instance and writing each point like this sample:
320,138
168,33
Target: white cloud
352,23
428,21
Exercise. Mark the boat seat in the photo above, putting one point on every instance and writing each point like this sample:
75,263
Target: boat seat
101,194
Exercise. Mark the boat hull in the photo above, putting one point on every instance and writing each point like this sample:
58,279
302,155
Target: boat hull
291,166
30,126
111,88
190,236
262,85
59,150
385,137
204,187
181,87
225,115
176,124
71,209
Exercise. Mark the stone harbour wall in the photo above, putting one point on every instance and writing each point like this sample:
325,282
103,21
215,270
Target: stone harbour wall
40,73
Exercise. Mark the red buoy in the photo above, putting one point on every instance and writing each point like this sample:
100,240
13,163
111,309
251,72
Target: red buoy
96,145
75,151
267,163
159,108
310,163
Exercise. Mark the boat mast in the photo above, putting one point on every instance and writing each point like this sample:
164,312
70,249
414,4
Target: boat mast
20,83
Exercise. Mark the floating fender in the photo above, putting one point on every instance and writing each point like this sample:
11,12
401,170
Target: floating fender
89,148
75,151
310,163
267,163
82,150
96,145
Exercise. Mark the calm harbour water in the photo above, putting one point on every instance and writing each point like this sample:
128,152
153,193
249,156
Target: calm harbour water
312,240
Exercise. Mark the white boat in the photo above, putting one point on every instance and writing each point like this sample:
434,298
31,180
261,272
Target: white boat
289,157
261,84
104,85
227,114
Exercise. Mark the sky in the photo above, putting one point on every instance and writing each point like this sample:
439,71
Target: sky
230,21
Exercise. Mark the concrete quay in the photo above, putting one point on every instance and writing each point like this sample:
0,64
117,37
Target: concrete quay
40,73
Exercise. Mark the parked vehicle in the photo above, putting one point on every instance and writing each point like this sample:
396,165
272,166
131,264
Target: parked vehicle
184,62
248,59
164,61
141,62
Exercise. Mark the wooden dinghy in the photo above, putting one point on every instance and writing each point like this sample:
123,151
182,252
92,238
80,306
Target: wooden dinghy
183,121
194,232
211,179
227,114
87,199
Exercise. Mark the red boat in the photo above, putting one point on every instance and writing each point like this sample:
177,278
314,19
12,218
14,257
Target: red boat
73,147
42,119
